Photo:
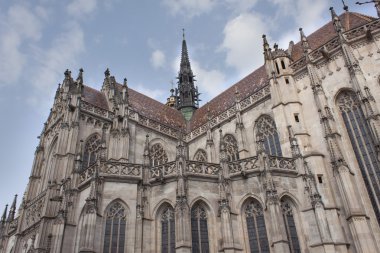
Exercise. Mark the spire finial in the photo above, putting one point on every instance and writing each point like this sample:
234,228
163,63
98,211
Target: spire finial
12,210
107,72
345,7
304,40
183,33
4,216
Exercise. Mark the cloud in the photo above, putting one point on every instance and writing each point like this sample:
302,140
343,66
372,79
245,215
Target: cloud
158,59
240,5
242,37
189,8
63,53
18,28
78,8
153,93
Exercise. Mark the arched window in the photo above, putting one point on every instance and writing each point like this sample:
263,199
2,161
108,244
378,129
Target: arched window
158,155
231,146
199,230
267,131
91,151
290,226
114,234
360,136
200,156
257,233
168,231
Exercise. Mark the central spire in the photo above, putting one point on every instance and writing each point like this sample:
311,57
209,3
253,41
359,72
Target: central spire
186,94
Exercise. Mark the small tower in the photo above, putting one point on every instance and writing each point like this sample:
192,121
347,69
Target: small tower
186,94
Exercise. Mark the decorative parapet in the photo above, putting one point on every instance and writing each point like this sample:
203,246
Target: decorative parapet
92,109
163,171
121,169
243,166
333,45
33,210
87,173
249,101
282,163
202,168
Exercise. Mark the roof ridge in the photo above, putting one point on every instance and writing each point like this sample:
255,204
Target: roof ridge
366,17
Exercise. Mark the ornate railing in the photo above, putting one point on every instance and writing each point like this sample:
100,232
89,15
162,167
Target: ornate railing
282,163
87,173
202,168
33,210
243,165
121,169
163,171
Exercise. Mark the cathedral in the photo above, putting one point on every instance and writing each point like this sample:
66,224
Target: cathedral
287,160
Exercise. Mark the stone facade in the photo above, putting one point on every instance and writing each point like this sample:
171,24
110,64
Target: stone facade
286,160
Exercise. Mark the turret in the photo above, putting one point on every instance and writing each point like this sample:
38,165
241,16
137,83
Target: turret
12,210
187,100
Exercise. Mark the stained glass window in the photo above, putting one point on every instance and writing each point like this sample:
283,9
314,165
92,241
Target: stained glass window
231,146
114,234
257,233
91,151
360,136
200,156
267,131
199,230
158,154
168,231
290,226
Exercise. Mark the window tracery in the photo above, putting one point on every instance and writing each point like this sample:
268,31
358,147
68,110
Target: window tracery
231,147
290,226
168,231
199,230
114,234
257,234
200,156
91,151
267,132
158,154
362,143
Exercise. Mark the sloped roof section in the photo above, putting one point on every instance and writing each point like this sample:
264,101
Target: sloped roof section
140,103
350,20
246,87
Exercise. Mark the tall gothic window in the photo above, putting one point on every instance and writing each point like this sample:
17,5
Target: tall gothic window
200,156
231,146
114,234
266,129
290,226
360,136
168,231
257,233
158,155
199,230
91,151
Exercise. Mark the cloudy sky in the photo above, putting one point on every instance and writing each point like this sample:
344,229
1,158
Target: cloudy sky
139,40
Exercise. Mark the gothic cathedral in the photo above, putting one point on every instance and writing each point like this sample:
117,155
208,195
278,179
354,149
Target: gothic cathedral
287,160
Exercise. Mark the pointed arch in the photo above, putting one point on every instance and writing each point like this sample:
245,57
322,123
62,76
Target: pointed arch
199,228
254,226
288,210
231,146
266,131
114,237
49,171
165,222
158,154
91,150
200,155
359,133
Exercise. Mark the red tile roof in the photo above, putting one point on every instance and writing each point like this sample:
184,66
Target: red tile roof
155,110
350,20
